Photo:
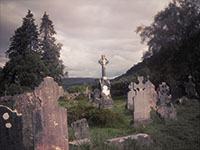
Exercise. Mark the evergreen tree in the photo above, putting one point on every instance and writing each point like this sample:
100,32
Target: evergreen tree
25,69
50,49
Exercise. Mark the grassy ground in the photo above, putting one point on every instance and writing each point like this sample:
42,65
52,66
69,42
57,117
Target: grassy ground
183,134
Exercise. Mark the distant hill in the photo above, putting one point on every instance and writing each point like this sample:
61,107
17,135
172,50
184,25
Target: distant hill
77,81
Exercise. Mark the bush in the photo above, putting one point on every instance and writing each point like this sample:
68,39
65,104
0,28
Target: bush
95,117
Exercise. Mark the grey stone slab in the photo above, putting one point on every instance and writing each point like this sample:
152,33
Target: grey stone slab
122,143
81,129
130,96
50,121
167,112
11,132
141,103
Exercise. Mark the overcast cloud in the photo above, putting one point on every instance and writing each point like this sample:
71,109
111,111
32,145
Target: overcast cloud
87,29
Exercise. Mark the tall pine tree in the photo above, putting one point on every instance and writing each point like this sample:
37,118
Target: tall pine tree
50,49
25,69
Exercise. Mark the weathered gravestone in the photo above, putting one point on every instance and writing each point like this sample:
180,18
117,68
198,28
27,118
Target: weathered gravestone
24,104
11,135
190,88
166,110
81,132
50,121
151,94
80,129
141,103
96,98
130,97
164,94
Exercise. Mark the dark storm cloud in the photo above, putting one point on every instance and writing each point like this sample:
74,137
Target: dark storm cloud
87,29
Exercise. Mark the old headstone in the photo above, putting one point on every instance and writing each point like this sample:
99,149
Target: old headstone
164,94
141,103
166,110
81,129
50,121
11,134
24,104
96,98
81,132
130,97
151,94
190,88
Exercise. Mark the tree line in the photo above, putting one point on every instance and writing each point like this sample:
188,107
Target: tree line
33,54
173,41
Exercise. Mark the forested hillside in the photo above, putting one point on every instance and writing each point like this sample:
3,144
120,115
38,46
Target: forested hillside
173,41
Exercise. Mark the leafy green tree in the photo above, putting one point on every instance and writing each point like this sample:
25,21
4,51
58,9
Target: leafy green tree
180,20
173,42
50,49
25,69
25,38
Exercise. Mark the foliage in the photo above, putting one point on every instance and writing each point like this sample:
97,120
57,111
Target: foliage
25,69
95,117
22,73
50,49
173,45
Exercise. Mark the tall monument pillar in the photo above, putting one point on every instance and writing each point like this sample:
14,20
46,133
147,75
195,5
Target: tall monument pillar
106,100
103,62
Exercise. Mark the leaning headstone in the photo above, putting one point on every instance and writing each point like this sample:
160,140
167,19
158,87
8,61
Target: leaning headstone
151,94
190,88
50,121
11,135
141,103
80,129
130,97
124,143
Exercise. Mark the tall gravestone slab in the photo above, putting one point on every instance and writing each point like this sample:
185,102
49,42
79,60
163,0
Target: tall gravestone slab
50,121
130,97
151,94
141,103
106,99
11,135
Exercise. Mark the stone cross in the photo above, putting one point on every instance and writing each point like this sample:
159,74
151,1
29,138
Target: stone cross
164,94
50,121
103,62
141,103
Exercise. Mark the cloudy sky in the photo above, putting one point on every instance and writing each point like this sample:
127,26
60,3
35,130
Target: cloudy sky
87,29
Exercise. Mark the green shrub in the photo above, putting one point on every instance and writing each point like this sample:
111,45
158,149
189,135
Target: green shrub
95,117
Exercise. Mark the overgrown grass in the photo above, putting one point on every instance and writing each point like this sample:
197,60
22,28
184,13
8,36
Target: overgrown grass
183,134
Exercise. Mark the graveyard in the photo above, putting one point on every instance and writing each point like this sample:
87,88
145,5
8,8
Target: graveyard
101,89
